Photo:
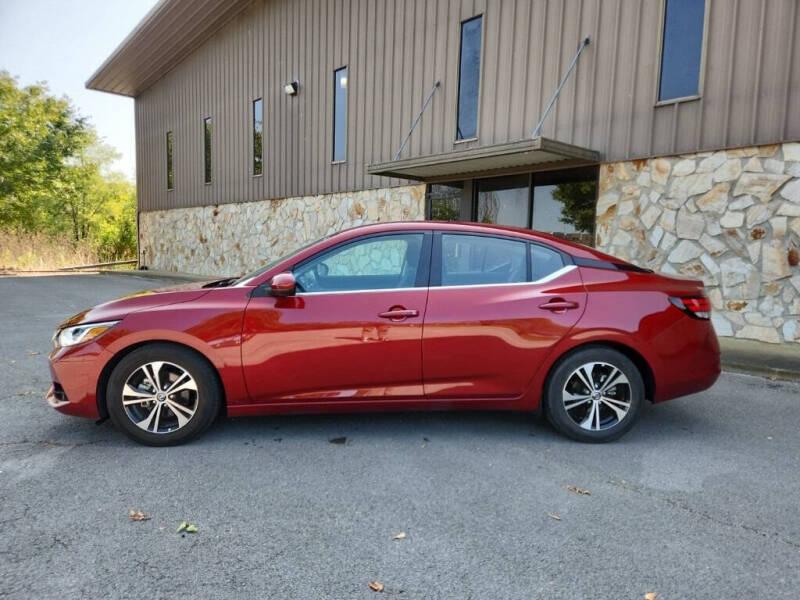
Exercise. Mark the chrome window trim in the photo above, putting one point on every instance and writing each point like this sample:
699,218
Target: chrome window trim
371,291
554,275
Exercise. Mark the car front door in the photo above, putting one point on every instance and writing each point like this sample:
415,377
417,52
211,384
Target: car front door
353,330
496,307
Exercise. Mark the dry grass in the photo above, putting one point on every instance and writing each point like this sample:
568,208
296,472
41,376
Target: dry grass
40,252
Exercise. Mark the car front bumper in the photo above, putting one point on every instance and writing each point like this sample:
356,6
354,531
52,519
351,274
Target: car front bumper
75,373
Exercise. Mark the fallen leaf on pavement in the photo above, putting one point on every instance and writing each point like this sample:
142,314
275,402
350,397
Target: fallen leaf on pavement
137,515
375,586
400,536
191,529
340,441
577,490
182,526
554,516
651,596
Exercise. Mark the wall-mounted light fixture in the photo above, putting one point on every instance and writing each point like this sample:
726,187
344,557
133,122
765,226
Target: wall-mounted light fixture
290,89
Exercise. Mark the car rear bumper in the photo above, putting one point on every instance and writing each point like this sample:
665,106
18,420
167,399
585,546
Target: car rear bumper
690,359
75,372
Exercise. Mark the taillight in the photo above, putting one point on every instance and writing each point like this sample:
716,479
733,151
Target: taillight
698,307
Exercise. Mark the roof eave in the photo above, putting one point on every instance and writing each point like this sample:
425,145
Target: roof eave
153,48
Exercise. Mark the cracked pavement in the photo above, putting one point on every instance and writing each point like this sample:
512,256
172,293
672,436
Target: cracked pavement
700,500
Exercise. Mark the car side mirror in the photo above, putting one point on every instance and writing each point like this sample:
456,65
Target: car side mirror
282,284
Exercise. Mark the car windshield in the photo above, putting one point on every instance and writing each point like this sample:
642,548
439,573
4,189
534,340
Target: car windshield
272,263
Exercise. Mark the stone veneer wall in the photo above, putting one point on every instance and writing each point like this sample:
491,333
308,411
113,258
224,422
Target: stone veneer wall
730,218
235,238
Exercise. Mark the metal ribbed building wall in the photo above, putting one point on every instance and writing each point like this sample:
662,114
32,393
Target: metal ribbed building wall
396,49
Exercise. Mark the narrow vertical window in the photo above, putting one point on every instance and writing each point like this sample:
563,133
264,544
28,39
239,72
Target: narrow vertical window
681,49
170,178
469,78
258,135
340,114
207,149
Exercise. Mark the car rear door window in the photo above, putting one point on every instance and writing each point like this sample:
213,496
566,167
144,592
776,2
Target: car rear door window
544,262
373,263
481,260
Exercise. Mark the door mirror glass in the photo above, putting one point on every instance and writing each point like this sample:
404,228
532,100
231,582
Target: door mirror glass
282,284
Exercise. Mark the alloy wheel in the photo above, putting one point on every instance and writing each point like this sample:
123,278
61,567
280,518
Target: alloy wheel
160,397
597,396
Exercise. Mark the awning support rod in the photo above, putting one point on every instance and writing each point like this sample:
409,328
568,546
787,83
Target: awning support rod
538,129
416,121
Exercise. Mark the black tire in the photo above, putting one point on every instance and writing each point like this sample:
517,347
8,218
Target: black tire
207,400
566,423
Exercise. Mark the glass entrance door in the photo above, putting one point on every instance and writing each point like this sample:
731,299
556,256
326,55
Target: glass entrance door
558,202
504,200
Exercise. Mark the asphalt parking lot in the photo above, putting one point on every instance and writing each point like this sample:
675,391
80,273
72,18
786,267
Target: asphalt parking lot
700,500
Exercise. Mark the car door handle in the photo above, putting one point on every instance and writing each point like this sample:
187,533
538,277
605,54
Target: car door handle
559,305
398,314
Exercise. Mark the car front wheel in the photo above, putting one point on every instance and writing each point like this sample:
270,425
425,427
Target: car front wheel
594,395
162,395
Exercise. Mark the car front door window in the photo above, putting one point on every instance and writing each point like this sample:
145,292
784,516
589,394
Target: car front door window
375,263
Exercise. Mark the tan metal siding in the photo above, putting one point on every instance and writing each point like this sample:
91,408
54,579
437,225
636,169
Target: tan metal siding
396,49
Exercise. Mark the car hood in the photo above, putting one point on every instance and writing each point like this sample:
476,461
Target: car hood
115,310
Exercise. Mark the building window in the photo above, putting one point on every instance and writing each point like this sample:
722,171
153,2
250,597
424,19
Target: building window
258,137
170,177
340,114
681,49
564,204
207,149
469,77
504,200
449,202
561,203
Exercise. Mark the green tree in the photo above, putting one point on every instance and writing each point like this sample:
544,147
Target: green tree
113,228
37,134
578,204
54,174
83,189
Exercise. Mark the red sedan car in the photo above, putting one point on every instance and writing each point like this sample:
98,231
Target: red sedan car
398,316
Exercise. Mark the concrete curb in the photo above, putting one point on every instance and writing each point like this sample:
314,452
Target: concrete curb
774,361
775,374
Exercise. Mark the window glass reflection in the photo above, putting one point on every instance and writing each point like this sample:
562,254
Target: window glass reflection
504,200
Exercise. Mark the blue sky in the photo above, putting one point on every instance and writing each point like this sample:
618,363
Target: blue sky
63,42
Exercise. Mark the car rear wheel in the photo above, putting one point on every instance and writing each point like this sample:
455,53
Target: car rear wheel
162,395
594,395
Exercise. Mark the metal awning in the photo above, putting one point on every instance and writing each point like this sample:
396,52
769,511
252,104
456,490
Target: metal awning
532,154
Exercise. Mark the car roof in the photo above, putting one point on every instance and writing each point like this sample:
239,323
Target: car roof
572,248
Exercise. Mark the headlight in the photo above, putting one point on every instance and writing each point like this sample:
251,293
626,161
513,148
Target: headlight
69,336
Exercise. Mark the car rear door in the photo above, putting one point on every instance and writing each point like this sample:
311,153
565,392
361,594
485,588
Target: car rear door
496,307
352,332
